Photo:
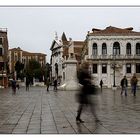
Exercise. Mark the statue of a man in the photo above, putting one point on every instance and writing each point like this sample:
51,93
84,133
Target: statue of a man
71,49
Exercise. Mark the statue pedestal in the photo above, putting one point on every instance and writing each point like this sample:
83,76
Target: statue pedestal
70,82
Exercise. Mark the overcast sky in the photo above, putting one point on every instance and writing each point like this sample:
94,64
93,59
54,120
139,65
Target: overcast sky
33,28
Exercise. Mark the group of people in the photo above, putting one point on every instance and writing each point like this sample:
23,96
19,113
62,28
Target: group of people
55,83
124,85
84,96
14,85
87,89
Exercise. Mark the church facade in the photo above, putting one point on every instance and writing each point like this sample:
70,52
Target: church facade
61,49
113,53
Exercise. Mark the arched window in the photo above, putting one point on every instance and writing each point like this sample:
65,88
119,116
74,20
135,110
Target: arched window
94,49
138,48
116,48
104,49
128,48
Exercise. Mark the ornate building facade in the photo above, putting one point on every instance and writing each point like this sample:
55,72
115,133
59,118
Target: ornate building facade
3,58
112,53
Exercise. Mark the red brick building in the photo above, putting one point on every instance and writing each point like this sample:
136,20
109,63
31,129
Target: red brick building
17,54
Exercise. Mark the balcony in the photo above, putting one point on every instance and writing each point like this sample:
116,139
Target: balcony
116,57
136,56
129,56
104,56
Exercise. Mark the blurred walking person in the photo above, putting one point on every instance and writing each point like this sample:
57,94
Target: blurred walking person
55,85
14,86
101,84
27,83
134,82
84,96
124,84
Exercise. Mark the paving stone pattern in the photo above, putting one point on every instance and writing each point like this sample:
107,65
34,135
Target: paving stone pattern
40,112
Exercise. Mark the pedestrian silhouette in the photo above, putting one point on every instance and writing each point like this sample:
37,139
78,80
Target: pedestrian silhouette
134,82
13,86
27,83
55,85
84,96
124,84
101,84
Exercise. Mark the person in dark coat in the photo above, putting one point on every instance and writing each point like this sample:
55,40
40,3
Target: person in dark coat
83,97
124,84
55,85
13,86
134,82
101,84
27,83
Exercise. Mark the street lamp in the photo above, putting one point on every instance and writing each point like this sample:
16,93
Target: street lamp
114,69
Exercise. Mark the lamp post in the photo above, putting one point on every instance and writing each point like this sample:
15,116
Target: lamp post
114,69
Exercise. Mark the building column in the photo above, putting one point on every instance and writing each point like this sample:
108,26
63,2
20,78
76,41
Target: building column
133,51
109,75
90,48
99,48
133,68
99,72
124,69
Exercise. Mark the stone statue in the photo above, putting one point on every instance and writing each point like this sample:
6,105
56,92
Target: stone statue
71,49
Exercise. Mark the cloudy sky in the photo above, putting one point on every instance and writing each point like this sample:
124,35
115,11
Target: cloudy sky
33,28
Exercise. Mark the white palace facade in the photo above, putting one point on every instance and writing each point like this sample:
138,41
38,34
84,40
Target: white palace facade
113,47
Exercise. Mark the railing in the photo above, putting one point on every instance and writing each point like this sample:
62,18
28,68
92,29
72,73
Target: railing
136,56
129,56
116,56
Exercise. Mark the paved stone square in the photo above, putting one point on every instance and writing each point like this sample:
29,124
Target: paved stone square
40,112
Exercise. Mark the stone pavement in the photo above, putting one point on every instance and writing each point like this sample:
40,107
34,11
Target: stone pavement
42,112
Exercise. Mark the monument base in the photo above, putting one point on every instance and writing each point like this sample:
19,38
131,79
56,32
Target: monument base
70,85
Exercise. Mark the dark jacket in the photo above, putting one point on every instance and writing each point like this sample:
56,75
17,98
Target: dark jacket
124,82
84,79
101,83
